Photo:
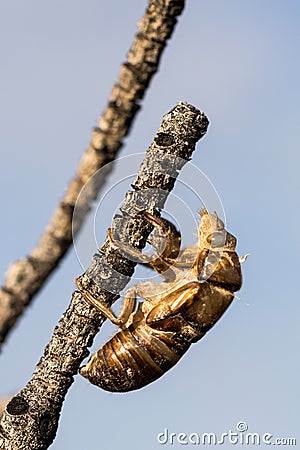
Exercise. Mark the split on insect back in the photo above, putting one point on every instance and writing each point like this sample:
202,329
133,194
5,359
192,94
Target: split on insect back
199,285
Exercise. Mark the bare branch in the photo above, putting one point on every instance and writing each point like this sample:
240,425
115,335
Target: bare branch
25,277
30,419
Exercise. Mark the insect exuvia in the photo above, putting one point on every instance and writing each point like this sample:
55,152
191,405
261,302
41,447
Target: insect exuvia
199,286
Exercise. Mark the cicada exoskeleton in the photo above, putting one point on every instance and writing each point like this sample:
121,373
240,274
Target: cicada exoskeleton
198,289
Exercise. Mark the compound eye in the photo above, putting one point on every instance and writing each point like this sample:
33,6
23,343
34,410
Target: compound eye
217,239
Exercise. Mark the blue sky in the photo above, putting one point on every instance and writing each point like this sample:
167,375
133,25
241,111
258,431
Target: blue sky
239,63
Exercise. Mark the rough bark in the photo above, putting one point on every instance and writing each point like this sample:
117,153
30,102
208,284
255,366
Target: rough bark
25,277
30,419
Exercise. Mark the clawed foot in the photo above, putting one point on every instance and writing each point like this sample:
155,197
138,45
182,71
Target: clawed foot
166,240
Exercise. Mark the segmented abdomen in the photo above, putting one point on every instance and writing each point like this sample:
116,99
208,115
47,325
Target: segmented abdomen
132,358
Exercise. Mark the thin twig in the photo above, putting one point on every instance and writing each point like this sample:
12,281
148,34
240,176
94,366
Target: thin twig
25,277
30,419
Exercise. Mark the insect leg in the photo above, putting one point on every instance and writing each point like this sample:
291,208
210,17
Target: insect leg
128,250
173,303
127,308
166,240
